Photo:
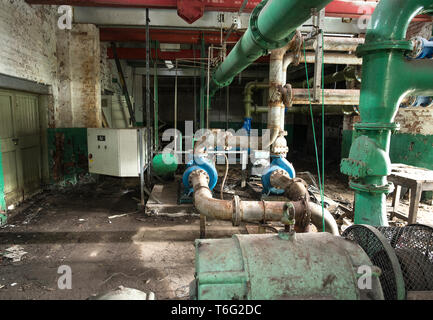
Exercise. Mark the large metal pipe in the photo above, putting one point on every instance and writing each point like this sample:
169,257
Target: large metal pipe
272,26
387,76
252,211
336,44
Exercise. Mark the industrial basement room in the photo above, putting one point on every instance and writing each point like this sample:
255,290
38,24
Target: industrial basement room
182,151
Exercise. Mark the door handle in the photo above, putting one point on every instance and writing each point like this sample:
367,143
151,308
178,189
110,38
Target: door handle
15,141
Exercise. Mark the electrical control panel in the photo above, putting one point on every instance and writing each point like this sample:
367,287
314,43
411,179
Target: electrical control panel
115,152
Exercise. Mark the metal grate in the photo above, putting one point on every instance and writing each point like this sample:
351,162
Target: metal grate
381,255
413,246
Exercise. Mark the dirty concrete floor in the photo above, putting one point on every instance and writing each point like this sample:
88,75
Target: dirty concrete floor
72,228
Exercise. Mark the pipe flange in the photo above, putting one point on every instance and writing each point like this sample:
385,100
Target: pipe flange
236,217
280,172
305,220
372,188
403,45
196,173
258,37
377,126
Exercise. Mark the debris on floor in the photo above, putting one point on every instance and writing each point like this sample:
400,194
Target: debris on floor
15,253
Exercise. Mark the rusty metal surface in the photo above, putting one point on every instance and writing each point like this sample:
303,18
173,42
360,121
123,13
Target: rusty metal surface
304,266
332,97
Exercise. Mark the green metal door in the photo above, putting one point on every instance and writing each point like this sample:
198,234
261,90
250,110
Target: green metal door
20,145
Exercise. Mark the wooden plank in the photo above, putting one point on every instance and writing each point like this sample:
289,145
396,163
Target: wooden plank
415,197
419,295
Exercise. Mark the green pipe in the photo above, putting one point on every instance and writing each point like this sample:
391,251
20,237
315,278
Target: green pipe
2,186
387,77
156,105
272,26
248,95
202,84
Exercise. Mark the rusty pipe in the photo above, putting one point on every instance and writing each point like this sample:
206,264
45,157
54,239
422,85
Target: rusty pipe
294,189
237,210
316,219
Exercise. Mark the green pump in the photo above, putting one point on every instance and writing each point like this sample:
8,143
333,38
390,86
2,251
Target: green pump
387,77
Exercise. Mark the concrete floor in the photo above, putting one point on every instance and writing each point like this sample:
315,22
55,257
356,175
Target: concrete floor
72,228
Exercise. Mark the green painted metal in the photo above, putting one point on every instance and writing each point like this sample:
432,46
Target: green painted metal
272,25
387,77
411,149
2,185
202,83
164,165
156,106
284,266
248,96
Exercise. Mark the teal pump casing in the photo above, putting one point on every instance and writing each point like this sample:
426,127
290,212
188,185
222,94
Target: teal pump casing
283,266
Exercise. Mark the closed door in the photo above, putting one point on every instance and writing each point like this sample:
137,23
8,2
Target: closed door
20,144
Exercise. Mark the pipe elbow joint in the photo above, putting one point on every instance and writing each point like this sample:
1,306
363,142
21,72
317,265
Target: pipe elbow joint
366,159
279,164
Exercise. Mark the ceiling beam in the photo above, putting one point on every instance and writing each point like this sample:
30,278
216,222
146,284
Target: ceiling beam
209,5
164,35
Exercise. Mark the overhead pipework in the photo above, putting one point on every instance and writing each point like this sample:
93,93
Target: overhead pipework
272,26
388,75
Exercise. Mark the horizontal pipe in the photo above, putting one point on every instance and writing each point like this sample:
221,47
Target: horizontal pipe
317,109
251,211
337,44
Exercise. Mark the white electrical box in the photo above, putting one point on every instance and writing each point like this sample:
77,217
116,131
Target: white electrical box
115,152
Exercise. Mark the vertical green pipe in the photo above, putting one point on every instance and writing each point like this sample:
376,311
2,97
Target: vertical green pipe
156,99
156,105
387,77
2,185
203,83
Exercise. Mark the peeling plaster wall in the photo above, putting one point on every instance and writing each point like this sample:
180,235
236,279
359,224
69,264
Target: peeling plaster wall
417,120
32,47
28,45
85,76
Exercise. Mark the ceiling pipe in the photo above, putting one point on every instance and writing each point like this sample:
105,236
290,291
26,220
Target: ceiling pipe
272,26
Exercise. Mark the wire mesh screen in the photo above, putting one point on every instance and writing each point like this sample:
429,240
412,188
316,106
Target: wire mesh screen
381,255
413,246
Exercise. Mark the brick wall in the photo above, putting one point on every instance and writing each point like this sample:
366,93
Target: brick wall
32,47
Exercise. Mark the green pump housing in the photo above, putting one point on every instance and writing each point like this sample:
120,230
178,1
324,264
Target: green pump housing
164,165
283,266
